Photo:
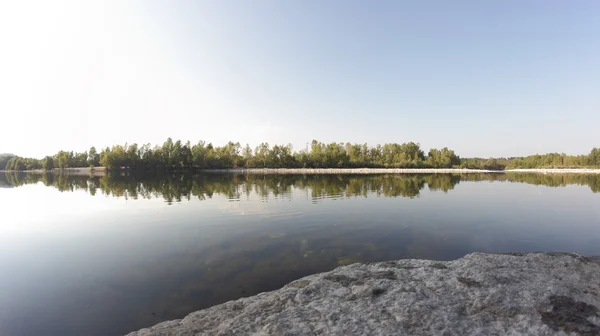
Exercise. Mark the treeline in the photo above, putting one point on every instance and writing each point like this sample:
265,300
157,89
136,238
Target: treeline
550,160
556,160
179,156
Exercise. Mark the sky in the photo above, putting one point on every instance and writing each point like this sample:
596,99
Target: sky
485,78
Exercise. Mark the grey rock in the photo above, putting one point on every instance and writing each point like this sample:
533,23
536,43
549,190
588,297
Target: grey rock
479,294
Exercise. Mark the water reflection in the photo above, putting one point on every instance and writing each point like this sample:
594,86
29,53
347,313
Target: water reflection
104,266
175,188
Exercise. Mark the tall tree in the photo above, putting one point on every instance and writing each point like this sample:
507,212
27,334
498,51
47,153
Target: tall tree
48,163
93,158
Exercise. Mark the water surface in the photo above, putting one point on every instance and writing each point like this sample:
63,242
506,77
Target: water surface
109,255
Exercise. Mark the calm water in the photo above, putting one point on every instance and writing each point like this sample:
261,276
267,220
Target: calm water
108,255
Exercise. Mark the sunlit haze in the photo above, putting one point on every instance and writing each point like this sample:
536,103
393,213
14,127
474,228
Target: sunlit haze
500,78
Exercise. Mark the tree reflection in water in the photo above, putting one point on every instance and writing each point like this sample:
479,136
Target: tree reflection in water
176,188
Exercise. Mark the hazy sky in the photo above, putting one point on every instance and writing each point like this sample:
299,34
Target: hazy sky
486,78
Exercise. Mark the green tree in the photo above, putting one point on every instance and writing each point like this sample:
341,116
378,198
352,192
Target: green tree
93,158
248,157
199,154
48,163
594,157
444,158
62,160
317,154
492,164
167,152
262,155
4,160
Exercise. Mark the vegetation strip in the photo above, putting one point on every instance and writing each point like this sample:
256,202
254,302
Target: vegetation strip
184,156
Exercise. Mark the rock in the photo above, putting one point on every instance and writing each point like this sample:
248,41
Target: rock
479,294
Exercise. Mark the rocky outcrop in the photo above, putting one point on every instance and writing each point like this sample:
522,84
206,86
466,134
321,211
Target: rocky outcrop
479,294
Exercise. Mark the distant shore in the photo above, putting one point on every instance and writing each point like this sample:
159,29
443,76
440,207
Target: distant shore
309,171
314,171
555,170
101,171
82,171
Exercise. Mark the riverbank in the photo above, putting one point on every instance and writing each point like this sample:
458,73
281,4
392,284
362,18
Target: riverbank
84,171
484,294
555,171
101,171
312,171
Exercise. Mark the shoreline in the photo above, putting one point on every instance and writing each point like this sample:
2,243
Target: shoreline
324,171
84,171
556,170
488,294
311,171
101,171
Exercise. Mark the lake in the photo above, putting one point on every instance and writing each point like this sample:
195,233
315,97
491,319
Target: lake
112,254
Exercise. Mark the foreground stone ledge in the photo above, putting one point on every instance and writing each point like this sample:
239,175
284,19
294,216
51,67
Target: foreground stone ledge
479,294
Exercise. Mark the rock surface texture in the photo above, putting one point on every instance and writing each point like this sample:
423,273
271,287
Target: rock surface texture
479,294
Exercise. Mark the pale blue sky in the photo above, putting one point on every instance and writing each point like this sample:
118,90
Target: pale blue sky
485,78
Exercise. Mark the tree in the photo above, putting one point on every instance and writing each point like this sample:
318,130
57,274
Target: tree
247,156
4,158
443,158
167,151
356,155
492,164
48,163
10,165
335,155
261,155
198,152
302,159
93,158
317,154
79,160
62,160
281,157
594,157
131,156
